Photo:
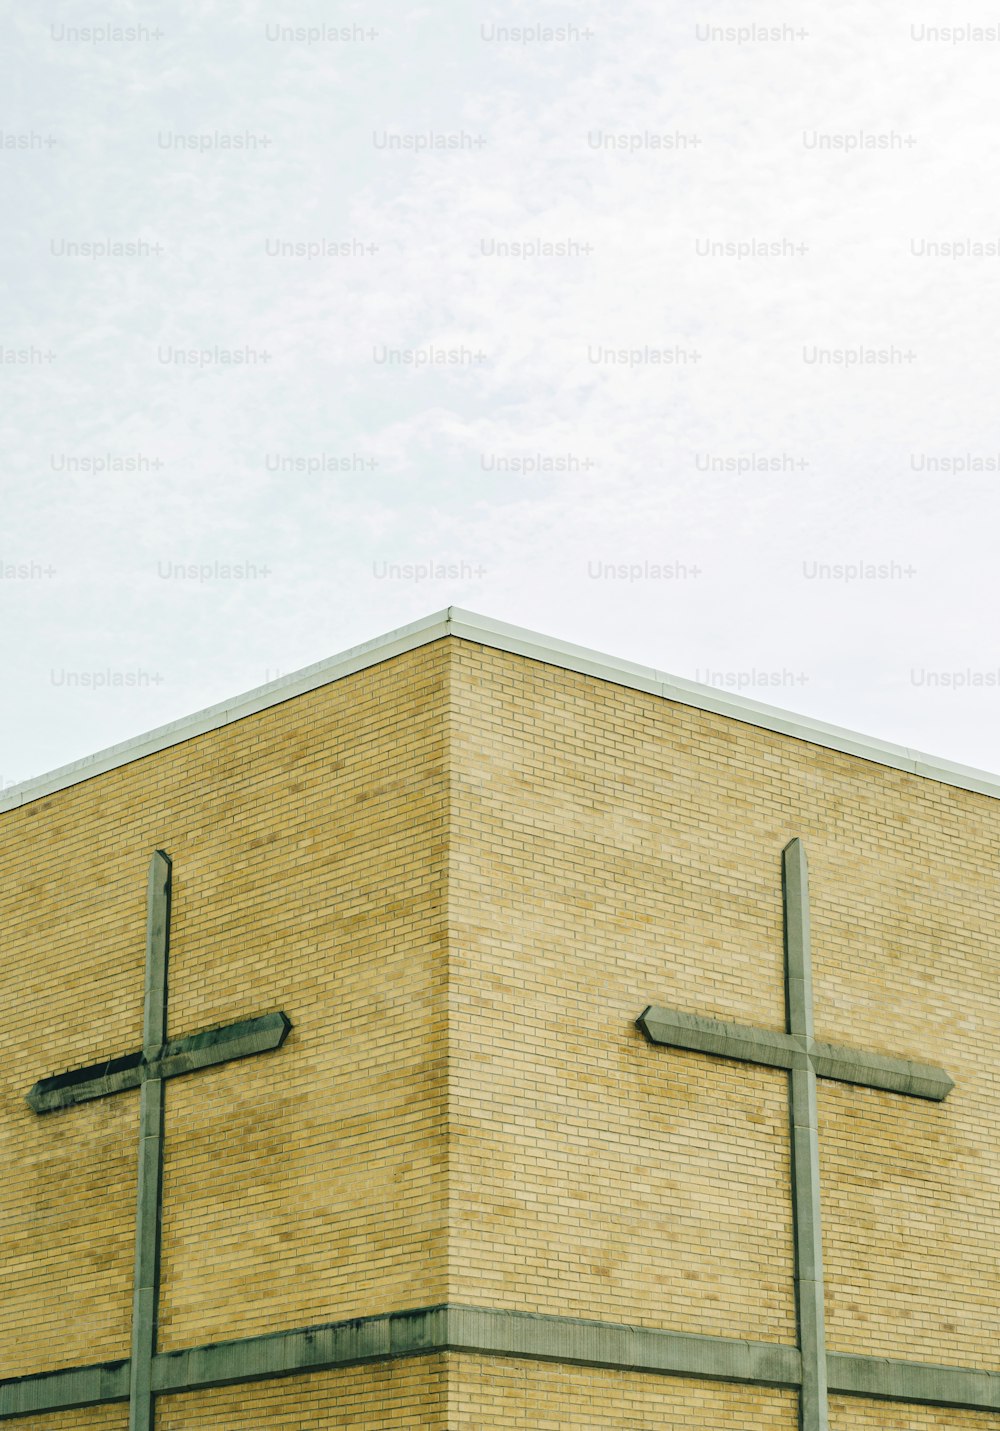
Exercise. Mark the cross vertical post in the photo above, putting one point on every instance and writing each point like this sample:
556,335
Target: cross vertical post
149,1200
813,1407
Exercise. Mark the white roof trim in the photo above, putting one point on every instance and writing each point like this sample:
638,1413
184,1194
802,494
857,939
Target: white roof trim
469,626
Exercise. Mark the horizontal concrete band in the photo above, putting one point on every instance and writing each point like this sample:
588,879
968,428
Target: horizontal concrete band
180,1055
673,1029
569,1340
885,1380
63,1390
478,1329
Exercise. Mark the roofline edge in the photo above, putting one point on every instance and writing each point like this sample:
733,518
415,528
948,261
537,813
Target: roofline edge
470,626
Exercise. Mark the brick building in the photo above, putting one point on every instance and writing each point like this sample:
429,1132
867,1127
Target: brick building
459,993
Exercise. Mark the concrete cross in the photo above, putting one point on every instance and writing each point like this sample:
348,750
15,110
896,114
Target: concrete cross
157,1060
805,1059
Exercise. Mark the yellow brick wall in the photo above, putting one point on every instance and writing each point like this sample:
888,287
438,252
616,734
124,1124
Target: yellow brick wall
453,1392
503,1394
848,1413
612,849
89,1418
301,1186
463,875
405,1395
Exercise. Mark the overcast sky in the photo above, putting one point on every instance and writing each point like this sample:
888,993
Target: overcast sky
671,331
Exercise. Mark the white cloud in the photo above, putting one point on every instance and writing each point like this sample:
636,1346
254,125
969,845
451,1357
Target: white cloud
634,435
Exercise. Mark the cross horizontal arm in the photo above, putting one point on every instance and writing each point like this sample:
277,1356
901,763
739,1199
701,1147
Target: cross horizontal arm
790,1051
179,1055
677,1030
878,1070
